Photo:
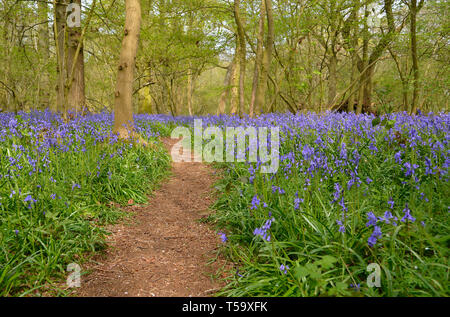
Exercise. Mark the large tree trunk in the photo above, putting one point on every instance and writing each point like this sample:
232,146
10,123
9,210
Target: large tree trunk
60,36
123,107
241,56
258,59
75,61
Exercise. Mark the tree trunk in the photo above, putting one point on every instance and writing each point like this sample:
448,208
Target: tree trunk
332,79
258,59
75,88
189,91
267,59
44,48
353,94
123,107
226,92
367,89
377,52
235,81
241,56
415,63
60,39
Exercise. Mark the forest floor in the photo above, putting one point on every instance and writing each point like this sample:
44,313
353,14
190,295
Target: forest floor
164,250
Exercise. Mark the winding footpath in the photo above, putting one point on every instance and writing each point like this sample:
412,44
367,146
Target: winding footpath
164,250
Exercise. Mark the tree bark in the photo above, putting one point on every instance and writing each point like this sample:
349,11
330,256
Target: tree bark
241,56
123,106
44,48
190,87
60,39
258,59
267,59
415,63
226,92
376,54
235,80
332,79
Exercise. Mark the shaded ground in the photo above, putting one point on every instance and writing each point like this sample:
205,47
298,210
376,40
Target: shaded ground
164,250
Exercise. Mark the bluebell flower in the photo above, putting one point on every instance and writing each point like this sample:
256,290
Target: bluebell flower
356,287
341,226
407,215
255,202
391,203
376,234
223,237
372,219
284,268
262,232
30,199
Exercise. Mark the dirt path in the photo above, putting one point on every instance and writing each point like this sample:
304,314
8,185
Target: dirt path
164,251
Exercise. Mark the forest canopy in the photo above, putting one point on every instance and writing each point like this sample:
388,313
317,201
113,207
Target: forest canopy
223,56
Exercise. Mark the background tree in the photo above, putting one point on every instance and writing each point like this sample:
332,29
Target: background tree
123,106
354,55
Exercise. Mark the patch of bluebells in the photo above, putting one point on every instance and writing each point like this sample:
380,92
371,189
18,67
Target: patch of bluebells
329,149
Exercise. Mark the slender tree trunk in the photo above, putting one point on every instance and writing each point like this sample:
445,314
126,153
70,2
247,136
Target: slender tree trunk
367,90
123,107
44,48
352,97
235,81
60,40
332,80
241,56
267,60
226,92
415,63
258,59
189,92
377,52
364,62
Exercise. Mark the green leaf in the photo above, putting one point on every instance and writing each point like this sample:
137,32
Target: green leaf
300,272
314,271
327,262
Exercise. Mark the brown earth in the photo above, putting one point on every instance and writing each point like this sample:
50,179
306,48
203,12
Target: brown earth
164,250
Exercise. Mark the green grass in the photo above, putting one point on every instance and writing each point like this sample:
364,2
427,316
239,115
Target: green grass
322,261
74,193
